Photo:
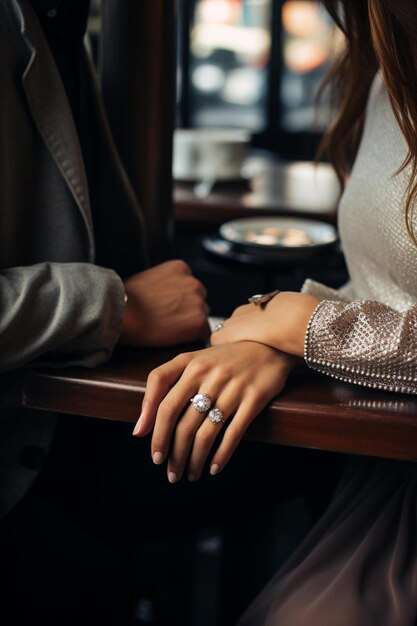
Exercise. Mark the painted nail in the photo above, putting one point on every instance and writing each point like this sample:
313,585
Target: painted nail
138,426
214,469
172,477
158,458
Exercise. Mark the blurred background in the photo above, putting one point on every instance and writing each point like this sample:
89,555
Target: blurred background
256,65
247,127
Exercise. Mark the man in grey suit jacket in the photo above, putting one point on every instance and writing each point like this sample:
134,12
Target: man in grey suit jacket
73,274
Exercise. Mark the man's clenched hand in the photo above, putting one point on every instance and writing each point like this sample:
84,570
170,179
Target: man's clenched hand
165,306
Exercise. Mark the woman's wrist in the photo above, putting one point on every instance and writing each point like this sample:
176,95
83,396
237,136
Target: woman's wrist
289,321
281,323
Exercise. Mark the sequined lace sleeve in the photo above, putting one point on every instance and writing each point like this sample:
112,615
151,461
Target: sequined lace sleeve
364,342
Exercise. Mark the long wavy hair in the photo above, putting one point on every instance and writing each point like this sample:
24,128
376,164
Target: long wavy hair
379,34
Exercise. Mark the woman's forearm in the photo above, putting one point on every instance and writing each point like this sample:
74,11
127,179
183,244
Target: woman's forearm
281,324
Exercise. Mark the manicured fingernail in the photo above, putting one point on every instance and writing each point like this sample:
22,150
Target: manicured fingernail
158,458
138,426
172,477
214,469
192,478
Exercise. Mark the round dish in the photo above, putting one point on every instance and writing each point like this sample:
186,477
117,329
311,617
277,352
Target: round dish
279,237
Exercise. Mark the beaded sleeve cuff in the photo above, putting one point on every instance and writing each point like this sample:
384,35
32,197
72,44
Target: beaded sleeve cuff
307,335
364,342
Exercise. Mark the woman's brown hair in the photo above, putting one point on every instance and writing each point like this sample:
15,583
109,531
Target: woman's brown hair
379,34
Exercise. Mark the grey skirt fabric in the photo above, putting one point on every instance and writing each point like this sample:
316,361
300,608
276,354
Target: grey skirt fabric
358,565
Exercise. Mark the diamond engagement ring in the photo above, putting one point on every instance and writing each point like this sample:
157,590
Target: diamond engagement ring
216,416
201,402
218,326
260,299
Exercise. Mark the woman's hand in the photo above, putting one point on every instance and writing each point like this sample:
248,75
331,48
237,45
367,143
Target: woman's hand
281,324
241,379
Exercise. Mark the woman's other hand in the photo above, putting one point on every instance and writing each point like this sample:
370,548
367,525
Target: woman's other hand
281,324
241,379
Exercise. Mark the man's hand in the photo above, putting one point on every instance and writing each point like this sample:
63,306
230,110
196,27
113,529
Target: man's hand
165,306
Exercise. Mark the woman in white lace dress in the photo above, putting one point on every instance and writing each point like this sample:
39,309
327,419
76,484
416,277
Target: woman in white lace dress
358,566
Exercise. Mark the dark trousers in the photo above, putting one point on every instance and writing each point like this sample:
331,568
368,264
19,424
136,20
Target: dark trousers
76,548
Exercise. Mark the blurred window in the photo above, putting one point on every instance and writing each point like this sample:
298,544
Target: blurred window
309,42
256,65
229,55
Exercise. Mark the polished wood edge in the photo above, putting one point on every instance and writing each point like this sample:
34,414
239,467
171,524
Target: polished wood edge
91,398
336,427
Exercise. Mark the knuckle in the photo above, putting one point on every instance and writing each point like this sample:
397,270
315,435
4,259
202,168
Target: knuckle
177,364
186,358
195,297
156,376
237,387
253,392
180,266
198,368
203,438
182,359
193,284
233,434
201,319
168,408
222,374
185,432
146,403
256,399
240,309
200,288
253,389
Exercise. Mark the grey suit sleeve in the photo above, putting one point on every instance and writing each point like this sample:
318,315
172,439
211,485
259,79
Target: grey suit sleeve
59,313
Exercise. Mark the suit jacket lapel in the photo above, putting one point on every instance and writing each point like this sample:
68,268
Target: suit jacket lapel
48,104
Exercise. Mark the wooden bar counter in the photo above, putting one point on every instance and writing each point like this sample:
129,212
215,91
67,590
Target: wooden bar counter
314,411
